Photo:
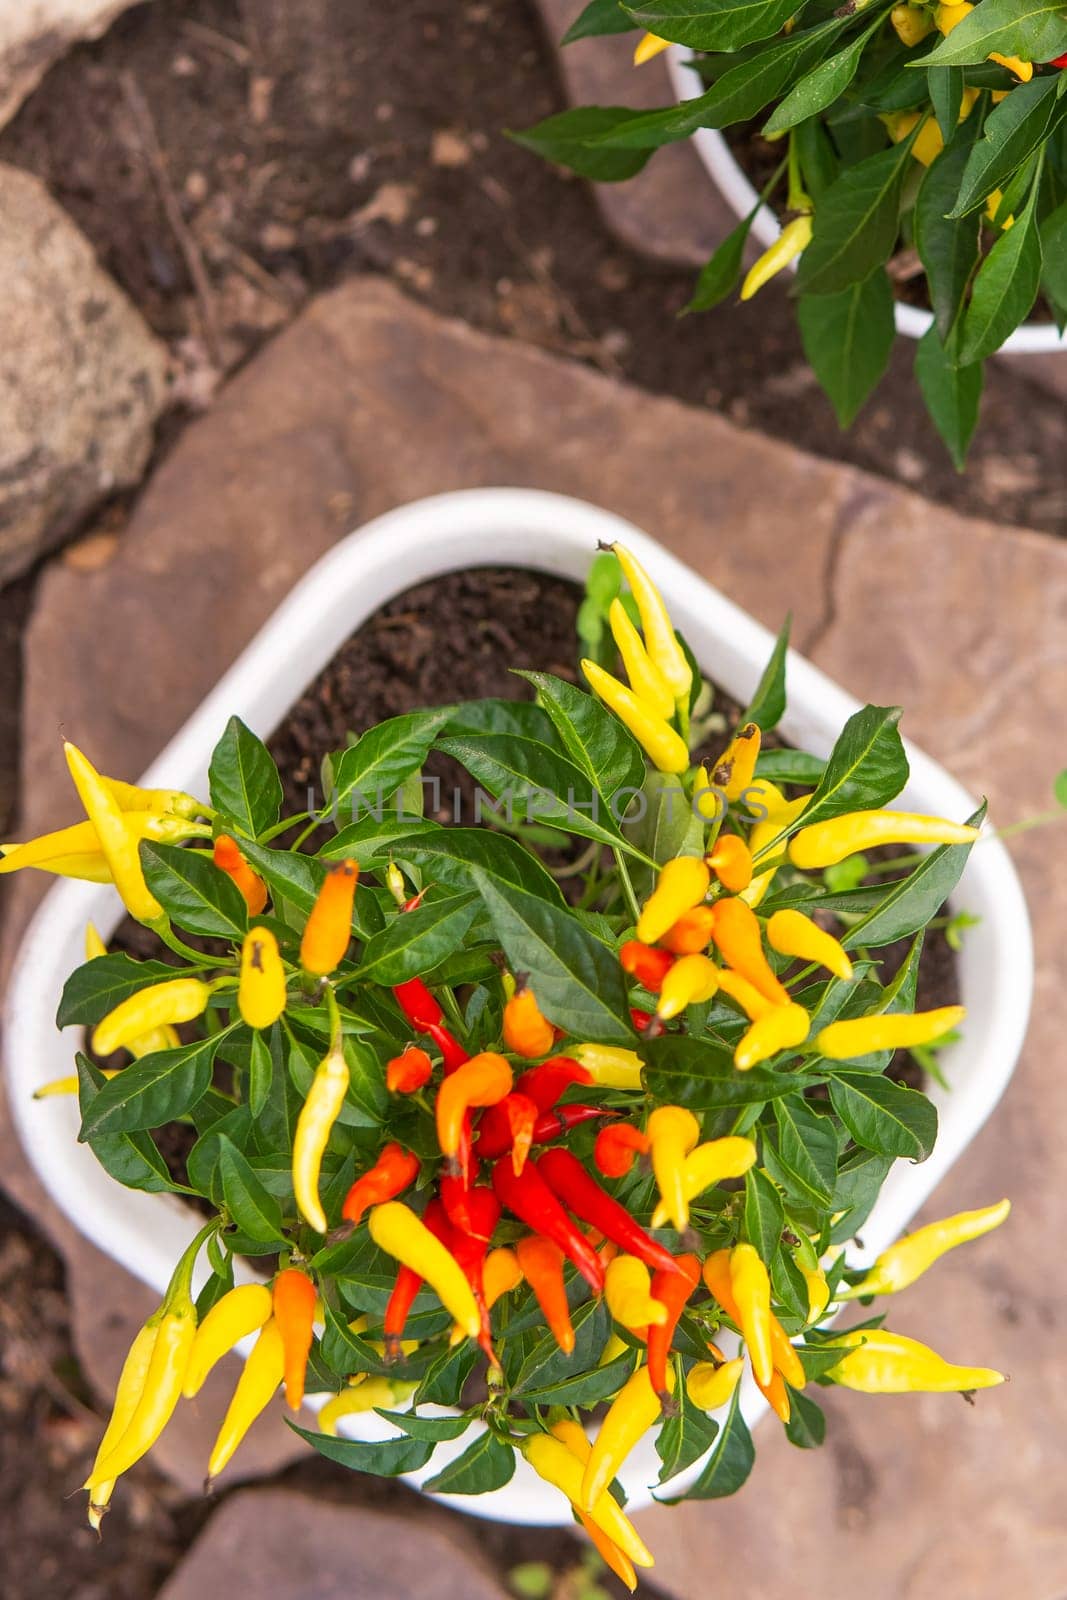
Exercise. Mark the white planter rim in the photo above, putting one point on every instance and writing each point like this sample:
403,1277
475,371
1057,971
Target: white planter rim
548,532
1030,338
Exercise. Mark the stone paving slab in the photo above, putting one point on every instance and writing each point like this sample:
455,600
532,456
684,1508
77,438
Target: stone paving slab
264,1544
368,401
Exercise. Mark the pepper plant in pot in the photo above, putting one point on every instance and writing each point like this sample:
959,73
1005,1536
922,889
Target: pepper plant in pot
912,150
547,1130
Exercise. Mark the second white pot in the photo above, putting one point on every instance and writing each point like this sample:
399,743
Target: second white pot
1031,338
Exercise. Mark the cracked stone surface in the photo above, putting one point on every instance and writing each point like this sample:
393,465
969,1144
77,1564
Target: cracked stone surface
267,1543
368,401
34,33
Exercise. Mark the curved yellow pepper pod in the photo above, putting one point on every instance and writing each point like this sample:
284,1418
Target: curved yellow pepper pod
556,1464
396,1229
1023,70
128,1394
261,992
709,1386
628,1292
791,933
751,1287
692,980
681,885
824,844
256,1387
241,1311
648,47
899,1266
735,769
780,1028
911,24
573,1435
175,1000
610,1066
365,1395
672,1133
661,641
665,748
161,1391
711,1163
634,1410
878,1362
313,1127
746,995
646,680
116,840
900,1030
790,243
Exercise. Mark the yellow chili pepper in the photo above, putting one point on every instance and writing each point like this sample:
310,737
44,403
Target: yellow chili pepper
116,841
500,1275
313,1128
665,748
1023,70
91,867
911,24
128,1394
328,930
672,1134
710,1386
556,1464
818,1293
175,1000
648,46
691,980
706,803
633,1411
396,1229
738,940
573,1435
824,844
646,680
736,767
992,206
863,1036
661,641
81,840
928,142
878,1362
903,1262
781,1028
261,991
628,1292
791,933
765,834
751,1287
747,996
948,17
681,885
610,1066
365,1395
256,1387
718,1275
708,1164
241,1311
731,862
790,243
484,1080
175,802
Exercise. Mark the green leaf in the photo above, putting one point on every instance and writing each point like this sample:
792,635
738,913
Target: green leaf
97,987
806,1427
587,1389
768,702
596,741
255,1211
867,766
696,1073
547,1368
1054,249
806,1151
370,842
1006,286
945,87
243,780
884,1116
909,904
684,1437
857,223
445,1378
848,338
731,1460
486,1464
519,718
577,980
531,781
818,89
952,393
417,940
948,248
157,1089
290,874
1019,125
718,277
192,890
712,24
366,774
1033,30
859,1183
388,1459
790,766
260,1072
574,139
131,1159
439,1429
764,1218
453,854
597,18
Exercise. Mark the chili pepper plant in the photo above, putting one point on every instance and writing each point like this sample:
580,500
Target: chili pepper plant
578,1107
918,149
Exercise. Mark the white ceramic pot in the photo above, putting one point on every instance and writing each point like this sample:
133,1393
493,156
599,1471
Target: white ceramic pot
1030,338
524,528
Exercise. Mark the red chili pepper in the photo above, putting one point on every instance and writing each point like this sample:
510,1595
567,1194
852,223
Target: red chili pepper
645,963
545,1084
616,1148
568,1180
508,1126
552,1124
529,1198
673,1290
639,1018
228,858
457,1195
394,1170
294,1313
418,1005
542,1266
451,1050
470,1250
408,1283
407,1072
1059,61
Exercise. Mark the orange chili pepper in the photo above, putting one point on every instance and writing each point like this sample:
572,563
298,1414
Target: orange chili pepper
393,1172
541,1263
691,934
329,927
731,862
776,1395
525,1030
481,1081
407,1072
645,963
673,1290
737,938
228,858
294,1314
616,1146
787,1363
